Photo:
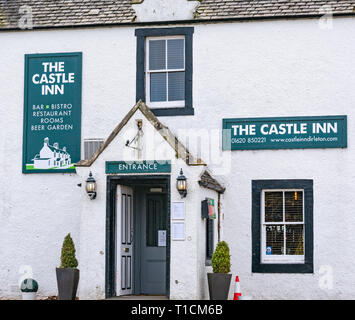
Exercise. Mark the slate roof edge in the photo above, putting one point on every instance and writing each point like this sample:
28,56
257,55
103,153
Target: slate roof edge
208,181
178,22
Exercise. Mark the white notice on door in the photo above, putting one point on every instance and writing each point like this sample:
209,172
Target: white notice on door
161,238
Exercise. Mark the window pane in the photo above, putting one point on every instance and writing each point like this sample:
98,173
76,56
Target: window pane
294,239
176,54
274,240
155,221
176,85
157,55
151,232
158,87
294,206
273,206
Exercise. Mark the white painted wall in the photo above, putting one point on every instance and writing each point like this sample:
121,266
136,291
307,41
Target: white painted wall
250,69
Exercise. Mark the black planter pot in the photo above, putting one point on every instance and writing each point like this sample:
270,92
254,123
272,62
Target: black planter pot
67,280
218,285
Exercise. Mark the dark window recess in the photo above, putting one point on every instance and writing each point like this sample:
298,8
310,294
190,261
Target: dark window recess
275,234
156,220
91,146
209,238
180,83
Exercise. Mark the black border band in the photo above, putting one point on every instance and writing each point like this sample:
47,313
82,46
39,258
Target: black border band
257,187
141,34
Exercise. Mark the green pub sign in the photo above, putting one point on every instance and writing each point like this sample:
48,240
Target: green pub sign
52,112
285,133
208,209
146,166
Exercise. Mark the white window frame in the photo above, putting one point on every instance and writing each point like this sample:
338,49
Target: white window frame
162,104
98,140
280,258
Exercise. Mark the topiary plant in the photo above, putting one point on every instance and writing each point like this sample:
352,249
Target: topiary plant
29,285
67,258
221,258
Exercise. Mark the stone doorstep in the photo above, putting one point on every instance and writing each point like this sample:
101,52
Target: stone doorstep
139,297
37,298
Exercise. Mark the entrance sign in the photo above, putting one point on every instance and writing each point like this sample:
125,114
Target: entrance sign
52,112
285,133
154,166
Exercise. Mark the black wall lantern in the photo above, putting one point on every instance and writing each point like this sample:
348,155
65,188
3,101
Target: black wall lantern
91,186
181,184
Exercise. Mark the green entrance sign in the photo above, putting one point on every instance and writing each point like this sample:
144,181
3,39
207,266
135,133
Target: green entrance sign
156,166
285,133
52,112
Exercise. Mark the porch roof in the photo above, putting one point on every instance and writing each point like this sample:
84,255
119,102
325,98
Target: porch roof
180,150
207,181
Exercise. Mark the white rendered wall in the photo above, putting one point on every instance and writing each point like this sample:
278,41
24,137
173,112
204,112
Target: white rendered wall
251,69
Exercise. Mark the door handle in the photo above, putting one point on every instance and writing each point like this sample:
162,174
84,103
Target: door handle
131,236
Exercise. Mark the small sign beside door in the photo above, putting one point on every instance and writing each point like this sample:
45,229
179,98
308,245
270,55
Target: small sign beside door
178,230
178,210
161,238
208,209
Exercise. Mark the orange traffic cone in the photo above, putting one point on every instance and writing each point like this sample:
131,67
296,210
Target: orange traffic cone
237,292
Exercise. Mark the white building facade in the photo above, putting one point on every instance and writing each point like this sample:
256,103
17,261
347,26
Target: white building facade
285,212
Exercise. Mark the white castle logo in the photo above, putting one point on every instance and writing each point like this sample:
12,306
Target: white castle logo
52,157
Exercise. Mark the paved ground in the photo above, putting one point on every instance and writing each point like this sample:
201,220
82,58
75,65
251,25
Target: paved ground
130,297
141,297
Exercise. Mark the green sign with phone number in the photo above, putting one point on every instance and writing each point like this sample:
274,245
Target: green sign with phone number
285,133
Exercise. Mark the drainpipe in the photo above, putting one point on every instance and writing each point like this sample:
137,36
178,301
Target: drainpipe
219,217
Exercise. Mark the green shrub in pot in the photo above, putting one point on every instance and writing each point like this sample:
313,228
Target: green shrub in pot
67,273
221,258
68,259
219,281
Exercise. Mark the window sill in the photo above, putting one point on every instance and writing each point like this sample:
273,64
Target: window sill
166,112
283,268
283,260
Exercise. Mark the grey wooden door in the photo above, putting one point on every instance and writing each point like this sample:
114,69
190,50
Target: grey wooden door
153,246
124,204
